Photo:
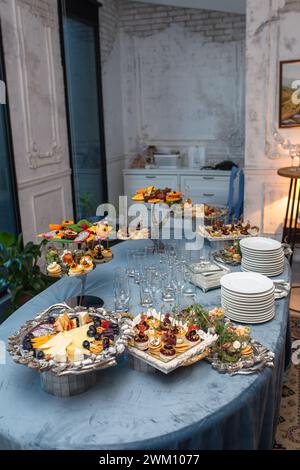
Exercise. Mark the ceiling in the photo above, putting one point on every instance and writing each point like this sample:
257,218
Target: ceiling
233,6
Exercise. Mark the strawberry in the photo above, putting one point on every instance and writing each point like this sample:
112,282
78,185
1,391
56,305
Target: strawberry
105,324
192,327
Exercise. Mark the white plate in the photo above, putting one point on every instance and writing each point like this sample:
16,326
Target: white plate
245,313
251,307
262,265
253,297
244,317
256,252
271,274
252,321
246,283
249,317
266,260
265,256
262,269
248,307
261,244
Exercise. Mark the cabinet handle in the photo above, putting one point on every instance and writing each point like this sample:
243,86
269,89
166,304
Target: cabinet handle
208,177
150,177
208,195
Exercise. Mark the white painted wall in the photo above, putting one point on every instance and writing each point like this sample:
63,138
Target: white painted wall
273,35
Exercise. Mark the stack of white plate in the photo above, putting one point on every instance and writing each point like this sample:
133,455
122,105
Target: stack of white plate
248,297
262,255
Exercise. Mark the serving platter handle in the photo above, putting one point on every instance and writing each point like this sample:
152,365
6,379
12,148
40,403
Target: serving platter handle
56,307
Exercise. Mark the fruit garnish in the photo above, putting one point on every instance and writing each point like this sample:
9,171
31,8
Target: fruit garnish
192,328
86,344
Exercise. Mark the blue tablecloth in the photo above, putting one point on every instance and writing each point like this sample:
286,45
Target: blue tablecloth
192,408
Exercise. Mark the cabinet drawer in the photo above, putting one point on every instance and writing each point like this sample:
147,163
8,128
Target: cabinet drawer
206,189
134,182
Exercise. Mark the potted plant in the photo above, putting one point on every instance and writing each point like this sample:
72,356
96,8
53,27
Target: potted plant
19,269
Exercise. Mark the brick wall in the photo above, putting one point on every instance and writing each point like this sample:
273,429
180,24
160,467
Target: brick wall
144,19
109,22
44,9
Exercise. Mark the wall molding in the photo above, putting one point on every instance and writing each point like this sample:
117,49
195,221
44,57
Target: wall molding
35,156
275,143
44,179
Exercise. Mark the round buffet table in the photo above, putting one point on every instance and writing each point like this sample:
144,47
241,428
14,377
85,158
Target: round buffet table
192,408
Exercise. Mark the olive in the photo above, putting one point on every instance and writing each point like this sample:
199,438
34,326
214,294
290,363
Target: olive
27,345
91,333
105,343
98,336
40,355
97,322
86,344
92,328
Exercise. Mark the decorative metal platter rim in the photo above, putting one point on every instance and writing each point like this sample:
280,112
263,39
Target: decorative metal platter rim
207,340
205,233
262,357
105,359
219,257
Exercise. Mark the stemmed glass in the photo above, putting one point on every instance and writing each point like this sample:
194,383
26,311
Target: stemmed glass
139,265
121,291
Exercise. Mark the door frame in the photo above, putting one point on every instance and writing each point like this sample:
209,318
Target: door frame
84,10
9,138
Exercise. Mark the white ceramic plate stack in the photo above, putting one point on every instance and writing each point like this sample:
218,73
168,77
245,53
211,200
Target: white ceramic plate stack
248,297
262,255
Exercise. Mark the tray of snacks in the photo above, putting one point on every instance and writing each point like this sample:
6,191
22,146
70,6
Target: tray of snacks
221,231
231,254
69,341
154,195
234,351
75,263
166,344
213,213
137,233
81,232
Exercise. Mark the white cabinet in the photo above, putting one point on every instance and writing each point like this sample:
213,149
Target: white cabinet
208,189
133,181
202,186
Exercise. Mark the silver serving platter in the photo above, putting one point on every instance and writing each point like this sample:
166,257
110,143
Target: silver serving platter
262,357
219,257
204,232
94,362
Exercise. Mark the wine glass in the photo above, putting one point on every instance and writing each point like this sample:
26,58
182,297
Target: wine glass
121,291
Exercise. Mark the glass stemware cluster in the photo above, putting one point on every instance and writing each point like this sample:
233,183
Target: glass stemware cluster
161,275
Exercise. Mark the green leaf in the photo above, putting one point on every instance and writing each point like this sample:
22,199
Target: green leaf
7,239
